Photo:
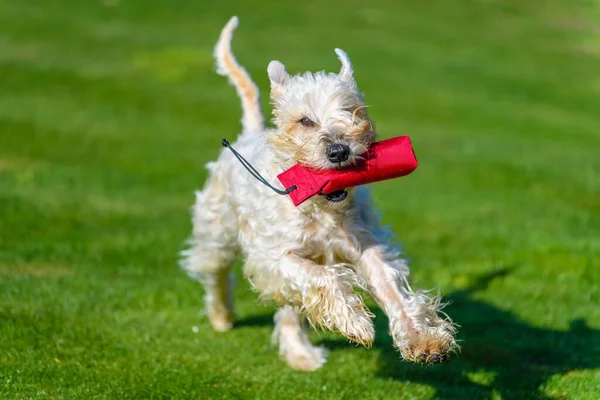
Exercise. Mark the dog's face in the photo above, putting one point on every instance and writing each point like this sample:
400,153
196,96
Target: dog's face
322,120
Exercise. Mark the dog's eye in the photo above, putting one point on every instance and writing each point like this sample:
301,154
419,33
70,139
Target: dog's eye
307,122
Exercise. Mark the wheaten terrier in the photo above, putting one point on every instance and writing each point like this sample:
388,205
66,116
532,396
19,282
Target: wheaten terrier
308,260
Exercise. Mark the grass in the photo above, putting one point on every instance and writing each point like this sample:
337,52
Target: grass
109,110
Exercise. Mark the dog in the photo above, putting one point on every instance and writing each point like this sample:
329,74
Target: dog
308,260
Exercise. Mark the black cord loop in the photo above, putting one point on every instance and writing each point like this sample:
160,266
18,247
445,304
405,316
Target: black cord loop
253,170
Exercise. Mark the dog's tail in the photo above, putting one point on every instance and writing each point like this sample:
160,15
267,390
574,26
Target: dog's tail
252,117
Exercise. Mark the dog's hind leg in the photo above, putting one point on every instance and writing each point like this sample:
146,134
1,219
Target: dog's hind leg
213,250
294,345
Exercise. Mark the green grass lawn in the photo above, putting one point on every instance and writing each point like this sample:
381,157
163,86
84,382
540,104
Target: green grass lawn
110,109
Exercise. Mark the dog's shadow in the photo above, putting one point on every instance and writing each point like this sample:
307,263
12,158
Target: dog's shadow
501,355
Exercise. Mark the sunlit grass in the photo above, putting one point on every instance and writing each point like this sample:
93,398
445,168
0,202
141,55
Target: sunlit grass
109,111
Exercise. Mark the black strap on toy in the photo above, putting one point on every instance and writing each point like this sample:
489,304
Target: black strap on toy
253,170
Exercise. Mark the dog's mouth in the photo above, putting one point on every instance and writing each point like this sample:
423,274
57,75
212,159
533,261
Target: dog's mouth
340,165
337,196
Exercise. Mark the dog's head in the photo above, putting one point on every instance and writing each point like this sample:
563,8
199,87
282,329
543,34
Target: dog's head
321,117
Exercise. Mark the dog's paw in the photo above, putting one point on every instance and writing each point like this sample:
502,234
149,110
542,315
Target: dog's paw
427,358
427,348
348,316
359,329
221,321
353,322
309,359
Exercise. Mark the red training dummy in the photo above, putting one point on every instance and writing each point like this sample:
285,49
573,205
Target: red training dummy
388,159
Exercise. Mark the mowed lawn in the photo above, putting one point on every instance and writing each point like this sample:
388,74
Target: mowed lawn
110,109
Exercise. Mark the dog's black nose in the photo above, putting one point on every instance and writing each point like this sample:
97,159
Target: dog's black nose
338,153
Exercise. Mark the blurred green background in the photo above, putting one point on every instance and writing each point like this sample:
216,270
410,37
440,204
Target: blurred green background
110,109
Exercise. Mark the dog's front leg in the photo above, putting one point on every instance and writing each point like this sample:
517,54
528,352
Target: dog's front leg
328,298
420,331
323,292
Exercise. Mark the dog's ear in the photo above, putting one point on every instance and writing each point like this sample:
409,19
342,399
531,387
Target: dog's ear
346,73
277,75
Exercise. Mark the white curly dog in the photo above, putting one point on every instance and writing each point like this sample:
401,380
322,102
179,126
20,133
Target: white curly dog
308,259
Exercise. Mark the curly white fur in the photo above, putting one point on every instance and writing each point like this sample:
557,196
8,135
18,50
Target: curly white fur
306,259
294,345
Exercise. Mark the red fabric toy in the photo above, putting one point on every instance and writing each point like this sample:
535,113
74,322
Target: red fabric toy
388,159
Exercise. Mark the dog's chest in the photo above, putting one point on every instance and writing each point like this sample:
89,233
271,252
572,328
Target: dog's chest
326,241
